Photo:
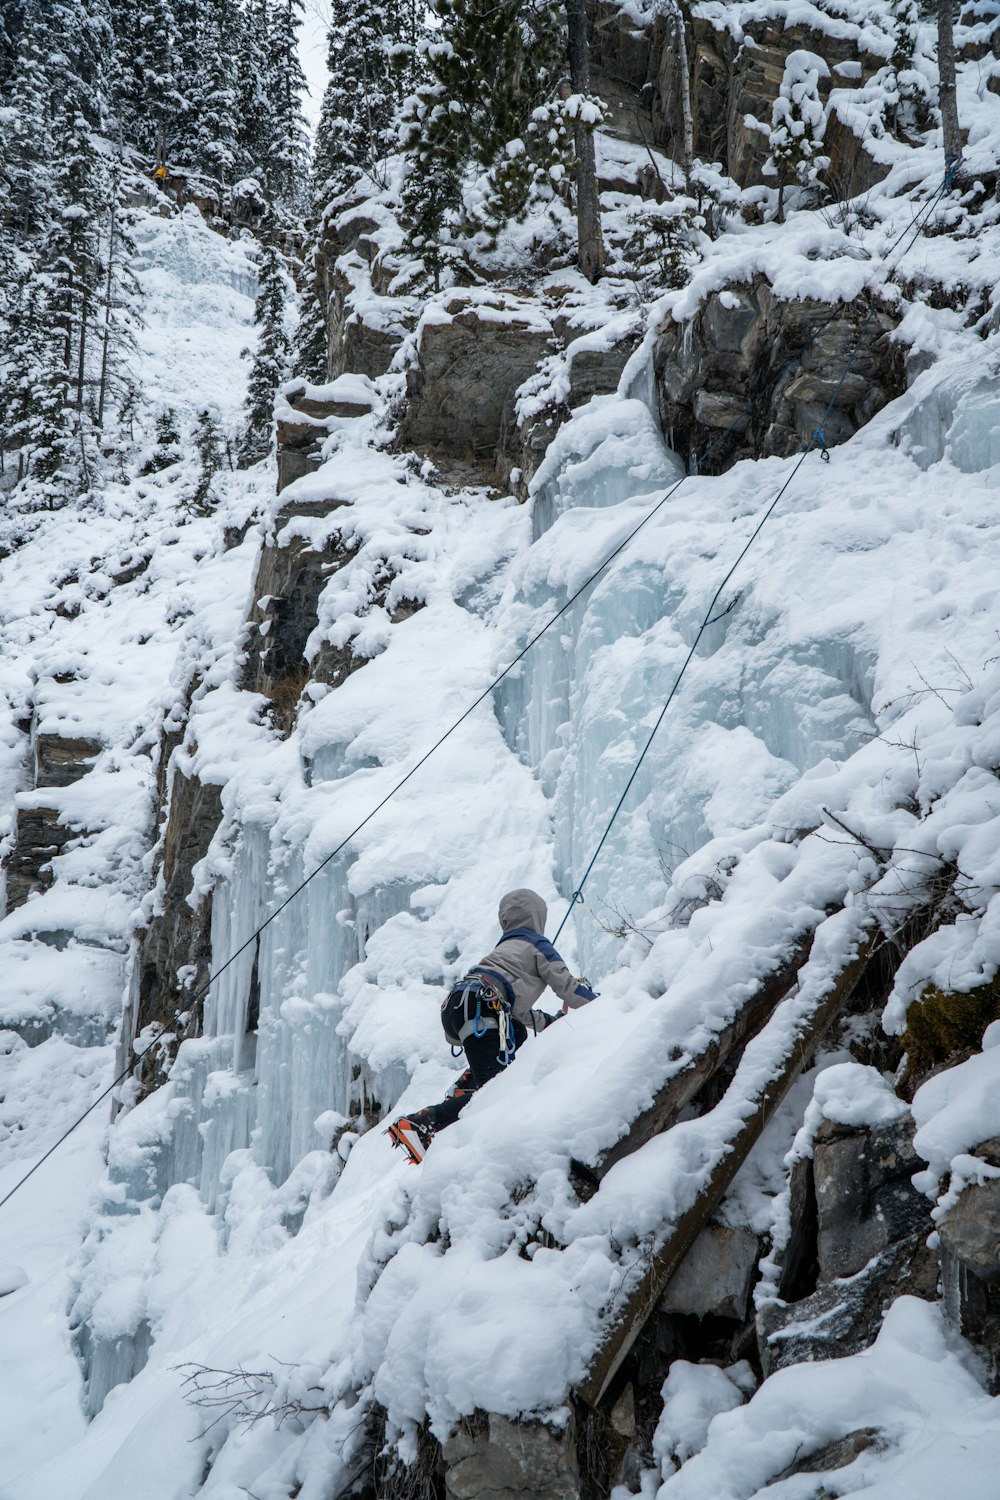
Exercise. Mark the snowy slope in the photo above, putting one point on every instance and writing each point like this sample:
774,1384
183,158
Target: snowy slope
854,674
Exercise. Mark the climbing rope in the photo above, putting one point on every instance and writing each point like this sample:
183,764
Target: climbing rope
710,616
180,1015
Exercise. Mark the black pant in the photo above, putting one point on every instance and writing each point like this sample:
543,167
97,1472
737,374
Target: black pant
483,1057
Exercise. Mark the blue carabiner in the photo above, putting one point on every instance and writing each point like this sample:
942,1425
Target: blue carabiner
477,1028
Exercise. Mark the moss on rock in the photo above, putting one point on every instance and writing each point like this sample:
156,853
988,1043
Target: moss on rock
942,1024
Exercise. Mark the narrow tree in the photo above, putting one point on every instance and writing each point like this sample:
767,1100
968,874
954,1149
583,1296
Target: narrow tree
797,125
947,88
271,356
289,149
208,446
487,100
590,242
255,127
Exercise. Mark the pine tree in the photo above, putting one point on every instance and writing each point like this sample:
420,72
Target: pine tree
187,73
271,356
311,339
797,125
487,101
255,134
211,144
208,446
168,443
12,17
120,298
288,152
355,134
28,158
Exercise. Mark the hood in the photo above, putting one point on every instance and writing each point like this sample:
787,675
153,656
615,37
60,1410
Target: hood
523,908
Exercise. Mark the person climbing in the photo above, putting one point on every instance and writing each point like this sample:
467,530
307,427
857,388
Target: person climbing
489,1011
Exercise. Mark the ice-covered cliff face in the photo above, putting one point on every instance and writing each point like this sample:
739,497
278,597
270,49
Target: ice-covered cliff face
850,673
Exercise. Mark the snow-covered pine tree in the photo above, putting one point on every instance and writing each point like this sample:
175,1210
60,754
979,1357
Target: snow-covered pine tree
211,143
288,150
355,132
152,102
487,100
187,73
271,355
311,341
255,130
798,122
168,448
28,157
120,297
904,93
11,26
208,447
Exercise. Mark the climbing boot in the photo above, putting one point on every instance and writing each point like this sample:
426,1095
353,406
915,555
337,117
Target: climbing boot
413,1136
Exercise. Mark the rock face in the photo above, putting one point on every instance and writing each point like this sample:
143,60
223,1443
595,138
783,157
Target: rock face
175,948
860,1232
58,761
715,1278
970,1263
365,324
733,85
738,344
305,416
508,1460
291,575
472,358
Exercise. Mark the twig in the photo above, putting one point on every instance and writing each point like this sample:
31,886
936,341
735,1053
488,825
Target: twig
879,854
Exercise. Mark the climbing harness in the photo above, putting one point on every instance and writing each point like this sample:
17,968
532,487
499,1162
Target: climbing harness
737,422
483,1001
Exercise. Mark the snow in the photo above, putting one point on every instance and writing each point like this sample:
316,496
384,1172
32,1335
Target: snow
916,1385
848,700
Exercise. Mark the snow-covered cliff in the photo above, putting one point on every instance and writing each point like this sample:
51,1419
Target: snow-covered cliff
263,1298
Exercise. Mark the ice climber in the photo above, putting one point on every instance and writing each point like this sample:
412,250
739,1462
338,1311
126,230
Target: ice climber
489,1011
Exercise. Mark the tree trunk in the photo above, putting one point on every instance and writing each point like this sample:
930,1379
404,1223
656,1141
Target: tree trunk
946,86
109,289
684,80
590,243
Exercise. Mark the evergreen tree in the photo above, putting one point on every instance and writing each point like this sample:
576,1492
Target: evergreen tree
797,125
311,341
119,316
168,443
271,356
255,134
208,446
187,73
28,157
12,16
487,100
355,133
212,143
288,152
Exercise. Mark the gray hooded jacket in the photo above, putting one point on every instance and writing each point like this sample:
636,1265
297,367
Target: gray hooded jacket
528,961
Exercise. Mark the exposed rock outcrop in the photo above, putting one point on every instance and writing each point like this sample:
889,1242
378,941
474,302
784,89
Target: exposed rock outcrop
794,357
175,949
510,1460
859,1238
472,357
291,575
970,1262
40,834
305,417
734,78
